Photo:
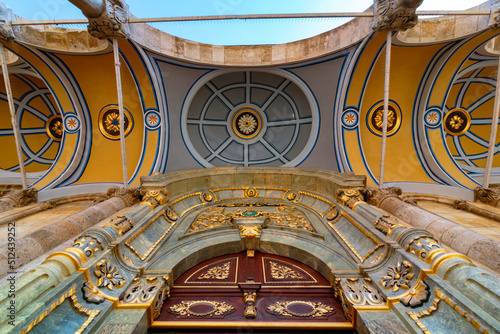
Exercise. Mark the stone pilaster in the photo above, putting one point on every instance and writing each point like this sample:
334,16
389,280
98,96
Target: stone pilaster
6,32
113,21
487,196
395,14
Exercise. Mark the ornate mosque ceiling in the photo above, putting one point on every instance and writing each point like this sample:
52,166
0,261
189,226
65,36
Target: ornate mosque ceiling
322,112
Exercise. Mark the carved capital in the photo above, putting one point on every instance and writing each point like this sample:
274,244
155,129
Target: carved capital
113,21
129,196
147,292
462,205
121,224
495,14
395,14
376,196
154,197
6,32
422,246
22,197
487,196
350,197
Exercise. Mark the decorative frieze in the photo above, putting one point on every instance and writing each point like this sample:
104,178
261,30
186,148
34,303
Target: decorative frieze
395,14
376,196
113,21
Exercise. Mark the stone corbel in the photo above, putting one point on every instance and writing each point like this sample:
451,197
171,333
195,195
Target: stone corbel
113,21
487,196
395,15
495,14
6,32
129,196
376,196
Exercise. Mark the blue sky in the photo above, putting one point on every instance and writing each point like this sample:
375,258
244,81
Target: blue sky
228,32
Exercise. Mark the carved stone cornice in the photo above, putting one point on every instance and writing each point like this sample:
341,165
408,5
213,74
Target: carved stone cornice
113,21
129,196
350,197
487,196
376,196
395,14
495,14
21,197
6,32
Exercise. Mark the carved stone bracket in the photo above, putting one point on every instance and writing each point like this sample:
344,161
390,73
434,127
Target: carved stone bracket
487,196
495,14
129,196
154,197
6,32
395,14
350,197
113,21
376,196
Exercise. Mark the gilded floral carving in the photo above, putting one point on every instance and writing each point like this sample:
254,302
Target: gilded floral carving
279,271
219,272
108,276
285,309
398,276
217,308
417,295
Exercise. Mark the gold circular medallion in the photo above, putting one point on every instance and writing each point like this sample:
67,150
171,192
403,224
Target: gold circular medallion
109,122
251,192
246,123
54,127
456,122
376,118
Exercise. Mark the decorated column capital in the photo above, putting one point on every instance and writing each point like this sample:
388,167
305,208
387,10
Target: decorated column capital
113,21
495,14
395,14
487,196
129,196
376,196
154,197
6,32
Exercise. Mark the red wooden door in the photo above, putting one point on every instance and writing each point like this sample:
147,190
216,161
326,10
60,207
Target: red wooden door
260,292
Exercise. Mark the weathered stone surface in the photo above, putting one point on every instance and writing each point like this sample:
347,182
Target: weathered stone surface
395,14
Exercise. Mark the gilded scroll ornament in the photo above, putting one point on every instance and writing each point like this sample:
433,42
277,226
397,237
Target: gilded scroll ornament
217,308
108,275
417,295
358,292
155,197
386,224
171,215
213,217
218,272
398,276
350,197
288,216
279,271
121,223
422,246
143,290
286,309
250,231
92,294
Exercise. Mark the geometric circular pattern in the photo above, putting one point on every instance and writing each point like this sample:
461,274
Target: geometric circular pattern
109,122
248,118
71,124
153,120
375,118
456,122
350,119
433,118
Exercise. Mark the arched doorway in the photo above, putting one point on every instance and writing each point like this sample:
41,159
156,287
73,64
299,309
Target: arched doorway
251,292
